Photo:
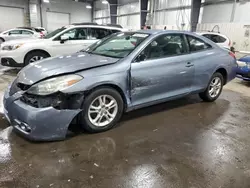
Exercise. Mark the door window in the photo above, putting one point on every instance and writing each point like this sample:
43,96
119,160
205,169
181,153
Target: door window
196,44
25,32
15,32
98,33
165,46
75,34
115,31
215,38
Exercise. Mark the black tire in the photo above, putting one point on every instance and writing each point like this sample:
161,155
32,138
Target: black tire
84,119
33,54
205,96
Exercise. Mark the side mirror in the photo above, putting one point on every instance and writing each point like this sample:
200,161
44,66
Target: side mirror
64,38
9,33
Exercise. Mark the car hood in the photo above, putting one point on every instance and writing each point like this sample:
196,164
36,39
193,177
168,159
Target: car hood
61,65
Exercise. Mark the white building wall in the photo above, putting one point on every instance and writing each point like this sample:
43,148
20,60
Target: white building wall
173,19
23,4
237,29
131,22
221,13
77,10
15,3
163,4
218,13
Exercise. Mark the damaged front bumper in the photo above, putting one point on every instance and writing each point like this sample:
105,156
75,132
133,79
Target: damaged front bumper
39,124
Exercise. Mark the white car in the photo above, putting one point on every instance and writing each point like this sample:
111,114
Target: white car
220,39
65,40
17,33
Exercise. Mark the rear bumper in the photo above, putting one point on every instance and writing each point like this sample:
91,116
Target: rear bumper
38,124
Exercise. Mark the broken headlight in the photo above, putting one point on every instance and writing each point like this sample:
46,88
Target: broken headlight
53,85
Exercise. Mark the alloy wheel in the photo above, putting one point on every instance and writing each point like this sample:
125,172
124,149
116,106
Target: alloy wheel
35,58
103,110
215,87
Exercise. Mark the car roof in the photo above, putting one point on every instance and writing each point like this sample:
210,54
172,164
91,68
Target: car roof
94,26
158,31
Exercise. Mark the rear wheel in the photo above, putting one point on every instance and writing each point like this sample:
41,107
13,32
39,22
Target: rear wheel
102,109
34,56
214,88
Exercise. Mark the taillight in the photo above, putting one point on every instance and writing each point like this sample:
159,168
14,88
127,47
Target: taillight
232,55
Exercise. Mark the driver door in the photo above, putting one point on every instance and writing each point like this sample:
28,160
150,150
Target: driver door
76,41
162,70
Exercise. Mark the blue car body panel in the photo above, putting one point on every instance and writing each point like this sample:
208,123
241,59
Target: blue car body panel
243,72
140,83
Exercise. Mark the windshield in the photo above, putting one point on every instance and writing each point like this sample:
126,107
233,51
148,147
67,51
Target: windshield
53,33
118,45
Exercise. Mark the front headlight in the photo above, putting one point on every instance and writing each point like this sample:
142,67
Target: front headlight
11,47
53,85
241,63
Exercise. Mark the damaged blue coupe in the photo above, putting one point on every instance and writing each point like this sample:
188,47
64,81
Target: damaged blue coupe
120,73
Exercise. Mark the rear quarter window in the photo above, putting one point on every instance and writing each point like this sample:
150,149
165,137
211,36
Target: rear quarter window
215,38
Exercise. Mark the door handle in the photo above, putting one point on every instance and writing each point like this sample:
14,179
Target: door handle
189,64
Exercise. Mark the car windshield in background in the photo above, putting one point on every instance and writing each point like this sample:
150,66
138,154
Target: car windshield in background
53,33
118,45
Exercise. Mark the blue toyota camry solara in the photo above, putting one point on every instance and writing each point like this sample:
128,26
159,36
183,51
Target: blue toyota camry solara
120,73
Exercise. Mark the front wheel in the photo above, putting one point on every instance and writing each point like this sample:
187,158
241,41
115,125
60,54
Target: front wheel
102,109
214,88
34,56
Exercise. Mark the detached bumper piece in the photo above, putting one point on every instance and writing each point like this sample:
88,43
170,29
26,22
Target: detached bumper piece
36,124
41,118
10,62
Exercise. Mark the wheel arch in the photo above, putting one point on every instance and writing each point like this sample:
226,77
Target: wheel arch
36,50
113,86
224,73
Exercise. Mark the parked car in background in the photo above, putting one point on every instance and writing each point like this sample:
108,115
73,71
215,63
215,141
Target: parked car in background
220,39
243,70
43,30
34,29
68,39
120,73
18,33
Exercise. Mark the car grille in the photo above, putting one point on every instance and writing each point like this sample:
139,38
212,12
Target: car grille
40,101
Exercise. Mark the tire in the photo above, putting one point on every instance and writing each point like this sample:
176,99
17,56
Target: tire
1,40
33,55
93,99
209,97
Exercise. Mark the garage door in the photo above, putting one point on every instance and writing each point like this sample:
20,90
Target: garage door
56,20
11,18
